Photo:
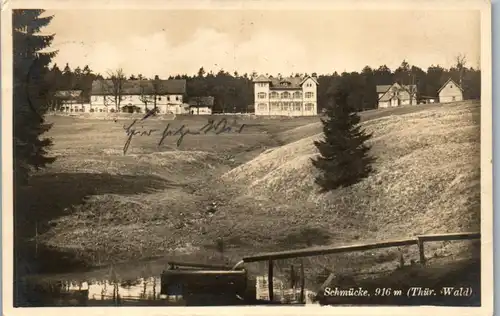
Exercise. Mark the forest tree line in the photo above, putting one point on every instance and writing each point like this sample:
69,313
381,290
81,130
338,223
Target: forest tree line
234,92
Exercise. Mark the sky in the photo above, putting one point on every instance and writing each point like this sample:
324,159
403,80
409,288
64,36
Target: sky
170,42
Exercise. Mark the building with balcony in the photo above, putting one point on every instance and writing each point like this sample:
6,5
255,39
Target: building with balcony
291,96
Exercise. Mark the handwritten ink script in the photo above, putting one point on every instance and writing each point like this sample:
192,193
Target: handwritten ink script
217,128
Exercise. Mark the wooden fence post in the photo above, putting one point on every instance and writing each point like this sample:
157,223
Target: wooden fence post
302,282
270,284
421,252
36,239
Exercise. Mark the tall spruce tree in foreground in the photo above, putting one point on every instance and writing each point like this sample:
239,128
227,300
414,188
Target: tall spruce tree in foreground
344,159
31,92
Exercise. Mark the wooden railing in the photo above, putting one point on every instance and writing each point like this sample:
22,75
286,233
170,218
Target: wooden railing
175,265
318,251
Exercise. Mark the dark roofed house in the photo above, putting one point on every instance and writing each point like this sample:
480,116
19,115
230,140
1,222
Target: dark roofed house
139,96
381,89
201,105
202,101
138,87
69,96
396,95
70,101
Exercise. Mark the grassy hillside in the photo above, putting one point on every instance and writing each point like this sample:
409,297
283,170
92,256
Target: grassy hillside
426,180
108,207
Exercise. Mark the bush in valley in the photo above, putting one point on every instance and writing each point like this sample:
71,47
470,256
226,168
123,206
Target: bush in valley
344,156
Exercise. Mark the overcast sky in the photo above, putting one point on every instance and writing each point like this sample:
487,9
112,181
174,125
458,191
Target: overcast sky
176,42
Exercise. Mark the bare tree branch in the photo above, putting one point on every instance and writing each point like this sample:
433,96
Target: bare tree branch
461,60
107,92
117,78
156,88
144,97
412,88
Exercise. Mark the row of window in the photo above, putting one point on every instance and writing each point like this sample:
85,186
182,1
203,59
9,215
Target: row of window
286,106
68,109
105,110
285,95
285,84
130,97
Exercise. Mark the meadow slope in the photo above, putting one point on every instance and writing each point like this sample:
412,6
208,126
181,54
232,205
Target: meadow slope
426,180
153,203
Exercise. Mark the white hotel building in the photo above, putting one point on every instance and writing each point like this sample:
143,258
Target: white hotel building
292,96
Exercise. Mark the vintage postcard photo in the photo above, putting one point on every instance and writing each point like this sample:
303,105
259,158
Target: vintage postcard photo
298,155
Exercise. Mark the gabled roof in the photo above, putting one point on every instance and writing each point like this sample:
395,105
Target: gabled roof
447,82
286,83
387,96
292,82
311,77
383,88
202,101
262,78
138,87
73,93
68,94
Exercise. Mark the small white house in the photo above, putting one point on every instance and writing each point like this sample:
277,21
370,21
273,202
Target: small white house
204,110
450,92
201,105
69,101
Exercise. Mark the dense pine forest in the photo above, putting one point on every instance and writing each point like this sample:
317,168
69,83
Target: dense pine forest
233,92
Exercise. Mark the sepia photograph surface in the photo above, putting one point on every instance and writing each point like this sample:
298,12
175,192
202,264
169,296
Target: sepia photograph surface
291,154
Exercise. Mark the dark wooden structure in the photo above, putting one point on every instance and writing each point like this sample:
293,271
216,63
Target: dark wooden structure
207,287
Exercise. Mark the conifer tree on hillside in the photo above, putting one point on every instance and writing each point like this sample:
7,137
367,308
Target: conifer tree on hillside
344,156
31,92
